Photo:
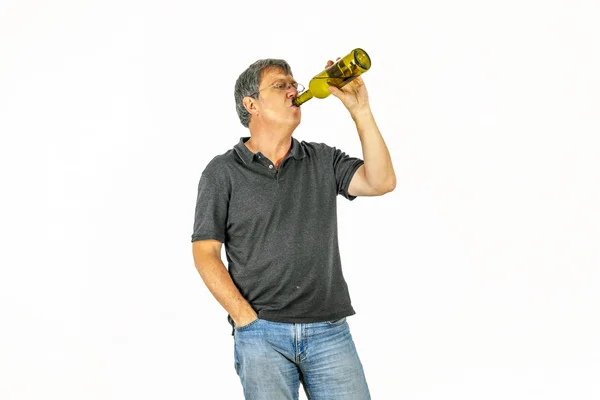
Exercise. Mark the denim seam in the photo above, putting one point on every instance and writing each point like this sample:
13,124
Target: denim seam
296,344
304,353
243,328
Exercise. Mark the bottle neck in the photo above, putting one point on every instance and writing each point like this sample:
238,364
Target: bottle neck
303,98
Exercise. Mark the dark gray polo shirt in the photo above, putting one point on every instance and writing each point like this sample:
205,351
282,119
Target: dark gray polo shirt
279,227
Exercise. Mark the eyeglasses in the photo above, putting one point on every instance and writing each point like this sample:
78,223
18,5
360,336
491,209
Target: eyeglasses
282,85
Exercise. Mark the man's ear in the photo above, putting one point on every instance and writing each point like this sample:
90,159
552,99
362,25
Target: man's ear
249,103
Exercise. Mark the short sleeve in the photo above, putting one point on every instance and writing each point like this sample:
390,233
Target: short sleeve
344,167
210,217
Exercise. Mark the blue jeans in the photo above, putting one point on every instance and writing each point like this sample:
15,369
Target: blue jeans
273,358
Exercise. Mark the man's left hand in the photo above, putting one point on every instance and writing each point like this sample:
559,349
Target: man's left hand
353,95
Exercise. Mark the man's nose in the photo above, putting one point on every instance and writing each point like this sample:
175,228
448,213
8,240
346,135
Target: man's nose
292,92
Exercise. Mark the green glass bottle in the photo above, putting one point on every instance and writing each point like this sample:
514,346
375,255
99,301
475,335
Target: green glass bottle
338,75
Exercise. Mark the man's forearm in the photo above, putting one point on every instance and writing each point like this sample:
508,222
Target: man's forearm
379,170
219,282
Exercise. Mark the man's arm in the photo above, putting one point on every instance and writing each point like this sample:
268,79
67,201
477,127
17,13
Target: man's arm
207,258
376,176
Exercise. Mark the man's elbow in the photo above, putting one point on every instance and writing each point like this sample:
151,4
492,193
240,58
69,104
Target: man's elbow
387,187
392,186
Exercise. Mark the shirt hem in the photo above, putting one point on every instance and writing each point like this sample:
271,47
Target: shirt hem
346,185
208,237
273,317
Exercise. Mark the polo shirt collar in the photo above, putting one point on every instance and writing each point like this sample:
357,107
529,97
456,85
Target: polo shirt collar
248,157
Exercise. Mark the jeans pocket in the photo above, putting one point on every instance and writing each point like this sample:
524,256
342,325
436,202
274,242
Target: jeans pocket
247,326
336,322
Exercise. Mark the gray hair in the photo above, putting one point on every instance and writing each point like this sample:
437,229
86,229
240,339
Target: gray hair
249,81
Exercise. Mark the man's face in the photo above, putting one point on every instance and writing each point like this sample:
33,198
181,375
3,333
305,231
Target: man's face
274,103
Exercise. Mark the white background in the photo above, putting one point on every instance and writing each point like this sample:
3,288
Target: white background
477,278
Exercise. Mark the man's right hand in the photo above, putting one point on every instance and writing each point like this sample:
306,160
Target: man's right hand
240,322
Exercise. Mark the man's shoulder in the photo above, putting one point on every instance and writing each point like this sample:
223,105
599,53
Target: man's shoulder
217,166
315,148
221,159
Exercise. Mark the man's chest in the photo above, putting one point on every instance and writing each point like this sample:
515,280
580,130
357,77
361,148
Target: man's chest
259,202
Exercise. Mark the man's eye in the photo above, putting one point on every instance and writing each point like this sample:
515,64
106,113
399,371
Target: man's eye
280,85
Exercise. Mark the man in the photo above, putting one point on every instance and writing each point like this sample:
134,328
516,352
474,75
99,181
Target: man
272,201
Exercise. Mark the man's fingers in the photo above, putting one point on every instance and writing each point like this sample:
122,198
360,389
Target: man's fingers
330,63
